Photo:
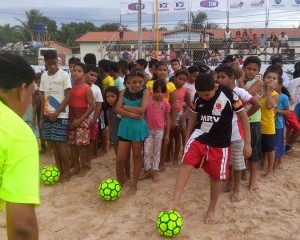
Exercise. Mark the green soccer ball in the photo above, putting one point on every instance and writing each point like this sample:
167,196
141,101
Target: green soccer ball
109,189
169,224
50,175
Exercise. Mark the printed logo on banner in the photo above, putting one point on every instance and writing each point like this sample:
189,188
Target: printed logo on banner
179,4
297,1
209,4
135,6
277,1
257,4
163,5
237,5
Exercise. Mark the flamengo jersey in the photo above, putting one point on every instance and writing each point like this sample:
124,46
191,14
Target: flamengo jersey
214,123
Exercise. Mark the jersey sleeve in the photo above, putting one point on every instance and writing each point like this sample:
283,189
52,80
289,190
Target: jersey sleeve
42,85
285,102
194,104
98,97
236,103
67,81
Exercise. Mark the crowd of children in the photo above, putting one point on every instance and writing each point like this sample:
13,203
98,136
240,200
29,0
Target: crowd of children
226,120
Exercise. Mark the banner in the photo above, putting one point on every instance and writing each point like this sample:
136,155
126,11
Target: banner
209,5
246,5
132,8
284,4
174,6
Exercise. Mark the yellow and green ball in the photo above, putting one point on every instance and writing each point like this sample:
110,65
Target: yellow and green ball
49,175
109,189
169,224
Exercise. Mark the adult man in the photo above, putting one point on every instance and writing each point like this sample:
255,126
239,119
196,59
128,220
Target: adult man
283,41
19,161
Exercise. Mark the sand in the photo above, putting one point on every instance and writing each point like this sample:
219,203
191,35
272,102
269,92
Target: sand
73,210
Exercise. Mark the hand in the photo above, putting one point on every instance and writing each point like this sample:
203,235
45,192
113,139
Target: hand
181,120
76,123
271,86
247,150
166,140
172,125
33,122
53,117
136,116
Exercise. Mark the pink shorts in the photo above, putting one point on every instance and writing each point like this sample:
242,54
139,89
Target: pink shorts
80,135
291,121
214,160
94,131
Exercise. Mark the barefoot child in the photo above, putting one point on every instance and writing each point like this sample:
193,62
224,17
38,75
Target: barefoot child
157,115
268,101
226,76
90,78
282,109
82,104
209,133
113,119
133,130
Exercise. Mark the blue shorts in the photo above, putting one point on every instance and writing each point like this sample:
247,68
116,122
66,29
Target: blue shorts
57,131
255,142
268,142
279,136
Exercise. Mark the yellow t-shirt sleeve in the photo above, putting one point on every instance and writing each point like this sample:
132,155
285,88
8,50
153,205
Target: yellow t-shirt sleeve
108,82
149,87
171,87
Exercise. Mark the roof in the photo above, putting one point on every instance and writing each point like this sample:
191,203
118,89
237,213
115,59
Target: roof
114,36
148,35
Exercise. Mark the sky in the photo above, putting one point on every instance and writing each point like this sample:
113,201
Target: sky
103,11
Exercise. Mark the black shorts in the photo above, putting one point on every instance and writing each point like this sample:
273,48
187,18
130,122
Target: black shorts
268,142
255,142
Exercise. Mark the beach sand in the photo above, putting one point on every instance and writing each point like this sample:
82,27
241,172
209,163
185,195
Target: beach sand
73,210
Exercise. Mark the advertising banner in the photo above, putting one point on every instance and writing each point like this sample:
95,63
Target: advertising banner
132,8
174,6
246,5
209,5
284,4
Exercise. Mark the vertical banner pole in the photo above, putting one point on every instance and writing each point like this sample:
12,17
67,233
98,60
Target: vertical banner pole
140,29
157,30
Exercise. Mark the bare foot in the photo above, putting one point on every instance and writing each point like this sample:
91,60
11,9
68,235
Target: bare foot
132,190
82,172
268,175
145,175
253,187
227,188
155,176
102,152
128,179
65,177
162,168
173,206
74,171
280,166
209,218
235,197
88,166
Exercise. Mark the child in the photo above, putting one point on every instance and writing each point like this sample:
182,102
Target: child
90,79
82,104
133,130
209,132
161,74
114,72
190,84
72,62
111,96
55,90
281,109
182,98
251,68
226,76
143,64
175,66
157,115
268,101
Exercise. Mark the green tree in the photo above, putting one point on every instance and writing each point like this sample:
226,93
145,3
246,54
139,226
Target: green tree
109,27
34,16
10,34
199,20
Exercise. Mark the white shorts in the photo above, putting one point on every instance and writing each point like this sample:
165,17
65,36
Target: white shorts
237,156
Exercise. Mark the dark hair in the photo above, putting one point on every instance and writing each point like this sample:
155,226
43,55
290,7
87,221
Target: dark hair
203,68
126,78
90,58
296,73
228,70
160,84
114,67
73,60
276,60
297,65
172,79
50,55
14,71
204,83
142,62
91,68
137,72
112,89
38,76
131,66
82,65
272,69
280,80
181,72
152,63
161,63
193,69
104,65
252,59
175,60
123,65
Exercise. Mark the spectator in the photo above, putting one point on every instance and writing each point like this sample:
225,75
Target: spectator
109,55
132,56
245,35
250,35
227,40
121,33
262,42
153,54
274,41
163,56
125,55
184,58
172,54
283,41
215,56
254,45
237,37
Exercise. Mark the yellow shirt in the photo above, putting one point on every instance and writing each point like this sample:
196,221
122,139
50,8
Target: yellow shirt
267,116
107,82
19,160
170,88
